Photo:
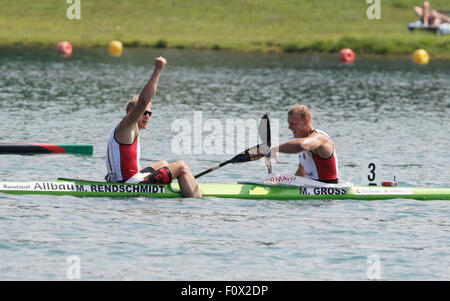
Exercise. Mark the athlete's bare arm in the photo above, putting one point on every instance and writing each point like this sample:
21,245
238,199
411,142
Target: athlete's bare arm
303,144
127,129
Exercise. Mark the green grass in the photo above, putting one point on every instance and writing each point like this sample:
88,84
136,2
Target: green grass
243,25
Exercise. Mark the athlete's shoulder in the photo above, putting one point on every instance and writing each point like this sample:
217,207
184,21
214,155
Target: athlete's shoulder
126,134
324,136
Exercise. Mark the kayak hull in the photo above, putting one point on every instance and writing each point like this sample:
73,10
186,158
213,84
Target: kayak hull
44,148
81,188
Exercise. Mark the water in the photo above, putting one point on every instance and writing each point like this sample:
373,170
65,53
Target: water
379,108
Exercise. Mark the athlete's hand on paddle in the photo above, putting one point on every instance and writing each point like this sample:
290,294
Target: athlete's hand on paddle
160,62
271,157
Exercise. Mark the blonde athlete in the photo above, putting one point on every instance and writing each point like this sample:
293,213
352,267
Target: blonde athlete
317,154
123,150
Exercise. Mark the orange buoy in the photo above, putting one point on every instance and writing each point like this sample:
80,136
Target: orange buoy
346,56
64,49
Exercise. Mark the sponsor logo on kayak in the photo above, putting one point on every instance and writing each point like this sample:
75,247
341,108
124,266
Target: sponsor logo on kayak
280,179
50,186
323,190
39,186
385,191
16,186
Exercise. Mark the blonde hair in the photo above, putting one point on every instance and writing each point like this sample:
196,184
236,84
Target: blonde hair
302,111
132,102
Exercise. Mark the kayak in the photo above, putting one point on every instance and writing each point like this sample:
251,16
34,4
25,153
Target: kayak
7,147
84,188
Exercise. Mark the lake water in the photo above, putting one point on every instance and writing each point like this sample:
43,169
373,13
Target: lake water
380,108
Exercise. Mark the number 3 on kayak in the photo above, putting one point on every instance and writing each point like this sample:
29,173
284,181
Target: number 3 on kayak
371,173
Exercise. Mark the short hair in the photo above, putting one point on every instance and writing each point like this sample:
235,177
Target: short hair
132,102
302,111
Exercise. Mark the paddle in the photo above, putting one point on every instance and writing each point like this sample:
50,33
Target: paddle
252,153
264,133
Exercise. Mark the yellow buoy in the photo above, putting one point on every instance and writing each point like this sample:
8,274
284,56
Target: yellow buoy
115,48
420,56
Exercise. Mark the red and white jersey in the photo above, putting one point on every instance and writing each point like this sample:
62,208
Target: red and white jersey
317,168
122,160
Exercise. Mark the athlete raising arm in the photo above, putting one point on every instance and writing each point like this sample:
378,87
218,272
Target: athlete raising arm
123,150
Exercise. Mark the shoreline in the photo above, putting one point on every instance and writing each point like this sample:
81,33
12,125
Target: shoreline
267,50
249,26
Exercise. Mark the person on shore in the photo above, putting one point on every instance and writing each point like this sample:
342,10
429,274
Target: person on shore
430,16
317,154
123,151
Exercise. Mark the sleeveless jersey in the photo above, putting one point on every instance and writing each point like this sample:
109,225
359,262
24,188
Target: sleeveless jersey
122,160
317,168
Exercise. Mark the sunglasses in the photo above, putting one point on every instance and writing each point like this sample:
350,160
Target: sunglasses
147,112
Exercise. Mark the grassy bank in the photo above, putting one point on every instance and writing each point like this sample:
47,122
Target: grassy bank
243,25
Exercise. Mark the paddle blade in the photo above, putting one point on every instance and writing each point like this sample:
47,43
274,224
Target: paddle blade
264,134
264,130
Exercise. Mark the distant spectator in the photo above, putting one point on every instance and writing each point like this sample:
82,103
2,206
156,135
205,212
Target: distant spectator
430,16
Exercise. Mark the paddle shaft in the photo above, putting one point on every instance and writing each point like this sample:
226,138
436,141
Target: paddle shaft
212,169
250,154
